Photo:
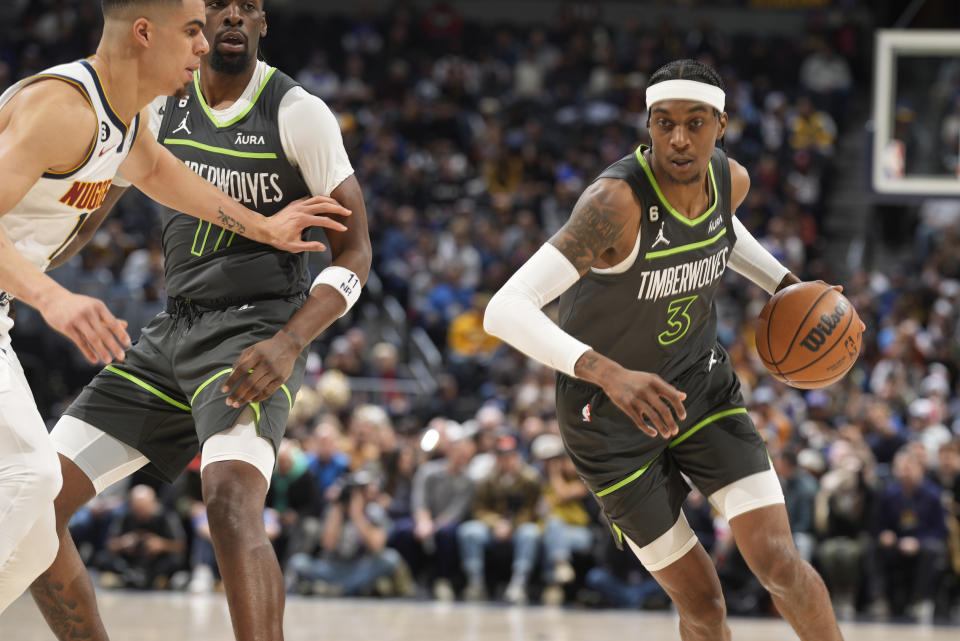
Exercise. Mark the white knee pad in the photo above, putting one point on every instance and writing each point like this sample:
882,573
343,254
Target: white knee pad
240,443
749,493
104,459
668,548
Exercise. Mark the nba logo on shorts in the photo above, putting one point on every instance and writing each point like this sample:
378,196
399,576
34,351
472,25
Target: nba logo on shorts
585,413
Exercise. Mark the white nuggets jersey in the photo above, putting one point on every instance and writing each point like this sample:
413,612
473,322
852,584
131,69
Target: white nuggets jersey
52,212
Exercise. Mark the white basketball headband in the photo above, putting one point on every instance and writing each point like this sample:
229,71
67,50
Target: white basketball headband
686,90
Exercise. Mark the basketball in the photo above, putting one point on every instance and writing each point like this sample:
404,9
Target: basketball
808,335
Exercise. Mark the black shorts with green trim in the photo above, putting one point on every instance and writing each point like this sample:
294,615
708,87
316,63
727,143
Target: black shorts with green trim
639,480
164,399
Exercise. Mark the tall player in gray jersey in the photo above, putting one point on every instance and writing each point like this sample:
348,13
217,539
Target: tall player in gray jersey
63,135
218,371
636,268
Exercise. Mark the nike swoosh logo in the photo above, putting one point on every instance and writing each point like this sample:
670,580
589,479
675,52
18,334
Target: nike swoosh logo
103,151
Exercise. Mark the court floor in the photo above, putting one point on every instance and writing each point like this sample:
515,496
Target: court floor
183,617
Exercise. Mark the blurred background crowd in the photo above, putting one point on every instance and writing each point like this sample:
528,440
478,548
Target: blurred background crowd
422,456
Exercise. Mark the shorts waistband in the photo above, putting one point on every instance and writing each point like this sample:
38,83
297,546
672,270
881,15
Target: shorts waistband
179,305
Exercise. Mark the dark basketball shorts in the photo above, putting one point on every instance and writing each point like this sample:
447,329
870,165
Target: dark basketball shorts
639,480
164,399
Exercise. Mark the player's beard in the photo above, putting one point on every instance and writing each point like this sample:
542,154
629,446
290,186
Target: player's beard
233,64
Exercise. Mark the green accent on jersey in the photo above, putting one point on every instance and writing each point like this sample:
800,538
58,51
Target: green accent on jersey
240,116
147,386
710,419
256,409
208,381
686,248
629,479
194,250
618,531
219,238
256,416
677,327
676,214
220,150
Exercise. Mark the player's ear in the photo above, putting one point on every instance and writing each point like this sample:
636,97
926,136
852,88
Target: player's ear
143,32
263,25
723,125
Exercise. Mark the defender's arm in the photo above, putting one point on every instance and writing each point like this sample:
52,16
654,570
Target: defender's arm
162,177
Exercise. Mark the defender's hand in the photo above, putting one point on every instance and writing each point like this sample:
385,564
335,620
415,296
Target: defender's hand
86,321
284,229
647,397
261,369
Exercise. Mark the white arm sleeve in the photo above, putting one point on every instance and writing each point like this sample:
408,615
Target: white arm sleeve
311,139
751,260
514,313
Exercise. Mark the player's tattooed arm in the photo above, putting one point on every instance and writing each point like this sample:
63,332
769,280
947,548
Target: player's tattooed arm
229,222
597,222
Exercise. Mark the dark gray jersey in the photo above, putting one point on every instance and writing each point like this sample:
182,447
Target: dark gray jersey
659,315
244,158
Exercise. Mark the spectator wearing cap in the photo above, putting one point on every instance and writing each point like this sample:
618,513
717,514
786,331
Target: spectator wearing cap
442,499
567,523
504,512
911,539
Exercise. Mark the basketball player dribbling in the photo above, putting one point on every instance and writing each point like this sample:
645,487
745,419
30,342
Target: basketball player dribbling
217,372
64,134
636,268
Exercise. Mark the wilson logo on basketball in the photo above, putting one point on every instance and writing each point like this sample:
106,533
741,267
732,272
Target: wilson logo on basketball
85,195
817,336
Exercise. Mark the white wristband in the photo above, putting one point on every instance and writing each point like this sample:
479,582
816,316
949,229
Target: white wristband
343,280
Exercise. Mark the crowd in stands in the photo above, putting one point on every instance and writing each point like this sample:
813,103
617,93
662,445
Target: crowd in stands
472,142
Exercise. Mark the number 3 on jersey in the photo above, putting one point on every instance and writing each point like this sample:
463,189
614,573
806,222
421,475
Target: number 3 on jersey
678,320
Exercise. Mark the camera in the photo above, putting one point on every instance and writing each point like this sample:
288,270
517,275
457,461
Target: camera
357,480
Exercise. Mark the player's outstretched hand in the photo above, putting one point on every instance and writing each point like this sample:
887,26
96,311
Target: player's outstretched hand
648,400
286,227
261,369
86,321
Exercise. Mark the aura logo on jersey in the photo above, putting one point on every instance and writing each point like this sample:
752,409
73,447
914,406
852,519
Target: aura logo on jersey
243,186
248,139
86,196
682,278
817,336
